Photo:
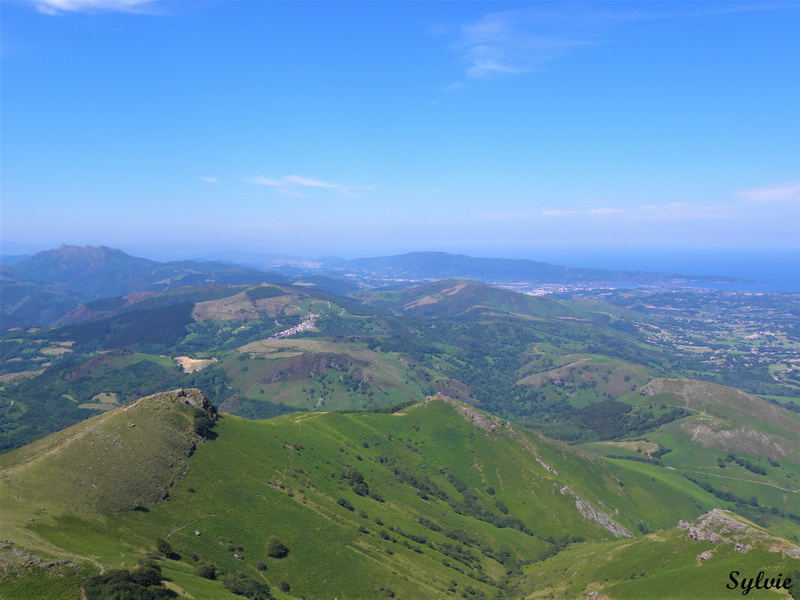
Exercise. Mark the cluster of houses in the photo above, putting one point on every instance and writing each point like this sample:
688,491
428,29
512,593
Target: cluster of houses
307,324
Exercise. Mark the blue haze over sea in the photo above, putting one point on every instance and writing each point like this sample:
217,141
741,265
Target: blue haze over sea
772,270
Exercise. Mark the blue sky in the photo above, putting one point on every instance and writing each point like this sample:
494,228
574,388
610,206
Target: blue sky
178,128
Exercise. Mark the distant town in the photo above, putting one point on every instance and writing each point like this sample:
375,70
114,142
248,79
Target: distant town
305,325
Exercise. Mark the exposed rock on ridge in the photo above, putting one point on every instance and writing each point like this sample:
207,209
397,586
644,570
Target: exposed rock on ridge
719,527
592,514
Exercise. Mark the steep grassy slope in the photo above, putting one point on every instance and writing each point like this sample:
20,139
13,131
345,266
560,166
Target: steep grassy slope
743,449
432,502
118,461
671,564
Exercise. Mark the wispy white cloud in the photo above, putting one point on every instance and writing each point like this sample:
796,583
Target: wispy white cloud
288,184
266,181
520,41
210,179
300,180
776,192
604,211
527,39
54,7
549,212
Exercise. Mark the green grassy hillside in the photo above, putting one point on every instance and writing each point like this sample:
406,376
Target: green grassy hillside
121,460
435,501
668,565
315,374
739,447
453,297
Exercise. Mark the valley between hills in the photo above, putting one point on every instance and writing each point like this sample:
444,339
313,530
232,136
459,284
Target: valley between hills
210,431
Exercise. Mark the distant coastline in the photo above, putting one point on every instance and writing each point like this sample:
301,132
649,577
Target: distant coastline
767,270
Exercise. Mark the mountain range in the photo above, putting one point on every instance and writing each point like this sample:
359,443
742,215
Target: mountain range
40,289
212,431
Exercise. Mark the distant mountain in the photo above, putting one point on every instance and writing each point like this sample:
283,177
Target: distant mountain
12,259
101,272
31,304
441,265
40,289
453,297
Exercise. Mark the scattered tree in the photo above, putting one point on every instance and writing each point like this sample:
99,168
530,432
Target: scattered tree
276,548
243,585
344,503
163,546
206,570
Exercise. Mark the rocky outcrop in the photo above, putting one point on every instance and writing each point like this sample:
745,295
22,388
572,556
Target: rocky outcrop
16,563
189,396
720,527
590,513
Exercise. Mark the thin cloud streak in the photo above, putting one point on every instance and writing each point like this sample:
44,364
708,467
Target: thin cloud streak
525,40
300,180
520,41
266,181
55,7
604,211
777,192
558,213
286,184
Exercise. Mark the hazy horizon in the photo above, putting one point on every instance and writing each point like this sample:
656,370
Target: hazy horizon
770,270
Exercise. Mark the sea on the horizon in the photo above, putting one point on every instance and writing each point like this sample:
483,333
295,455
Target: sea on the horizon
767,270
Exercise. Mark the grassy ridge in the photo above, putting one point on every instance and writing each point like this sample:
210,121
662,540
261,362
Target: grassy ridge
742,447
117,461
662,565
446,499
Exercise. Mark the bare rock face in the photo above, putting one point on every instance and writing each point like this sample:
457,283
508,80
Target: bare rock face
720,527
590,513
700,535
190,397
